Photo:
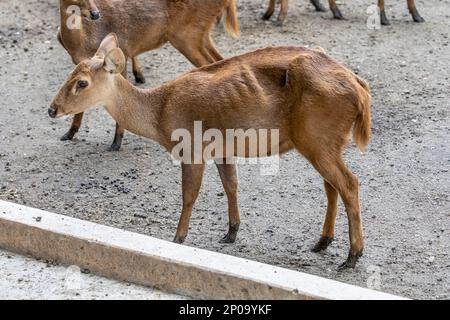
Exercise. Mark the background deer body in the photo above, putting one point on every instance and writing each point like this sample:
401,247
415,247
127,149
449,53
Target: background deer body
336,12
313,101
143,25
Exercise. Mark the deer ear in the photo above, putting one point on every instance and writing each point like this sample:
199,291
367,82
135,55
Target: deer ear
115,61
109,43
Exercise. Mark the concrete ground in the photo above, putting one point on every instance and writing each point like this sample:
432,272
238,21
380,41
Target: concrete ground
404,175
28,279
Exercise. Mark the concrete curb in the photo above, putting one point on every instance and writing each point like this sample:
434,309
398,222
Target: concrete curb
163,265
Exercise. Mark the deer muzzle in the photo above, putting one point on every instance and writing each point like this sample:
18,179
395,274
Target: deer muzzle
53,111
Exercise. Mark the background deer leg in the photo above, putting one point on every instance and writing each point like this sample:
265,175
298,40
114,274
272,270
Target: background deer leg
318,5
328,228
230,184
383,18
209,44
137,71
120,131
76,124
283,12
335,9
413,10
193,49
270,10
192,175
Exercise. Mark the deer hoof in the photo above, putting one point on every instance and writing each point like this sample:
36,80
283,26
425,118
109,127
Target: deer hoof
337,14
140,79
267,16
69,135
114,147
279,23
417,17
318,5
322,245
383,19
351,261
229,238
179,240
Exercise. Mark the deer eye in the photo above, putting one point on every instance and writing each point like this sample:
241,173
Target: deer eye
82,84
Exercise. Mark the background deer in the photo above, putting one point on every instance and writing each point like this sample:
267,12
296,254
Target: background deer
336,12
313,101
143,25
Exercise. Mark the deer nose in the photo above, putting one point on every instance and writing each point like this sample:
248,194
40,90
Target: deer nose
95,15
52,111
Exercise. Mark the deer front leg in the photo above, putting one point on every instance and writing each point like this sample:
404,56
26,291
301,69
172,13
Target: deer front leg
230,184
118,137
120,131
192,175
76,124
413,10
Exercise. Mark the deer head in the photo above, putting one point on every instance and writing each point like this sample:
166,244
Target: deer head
92,82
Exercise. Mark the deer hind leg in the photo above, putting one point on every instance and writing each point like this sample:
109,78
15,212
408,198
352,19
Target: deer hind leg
230,184
335,9
137,71
320,132
413,10
283,12
76,124
336,173
192,47
209,44
328,227
192,176
270,10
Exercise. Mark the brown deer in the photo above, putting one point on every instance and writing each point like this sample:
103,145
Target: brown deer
142,25
311,100
336,12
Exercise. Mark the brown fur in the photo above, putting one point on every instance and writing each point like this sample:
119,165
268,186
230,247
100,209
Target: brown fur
313,101
335,10
143,25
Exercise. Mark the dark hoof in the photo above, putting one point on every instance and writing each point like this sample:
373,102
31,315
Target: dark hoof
337,14
322,245
383,19
179,240
114,147
231,235
229,238
140,79
279,23
318,5
351,261
69,135
417,17
267,16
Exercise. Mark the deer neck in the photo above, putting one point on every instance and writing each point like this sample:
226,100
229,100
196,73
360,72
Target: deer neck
135,109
